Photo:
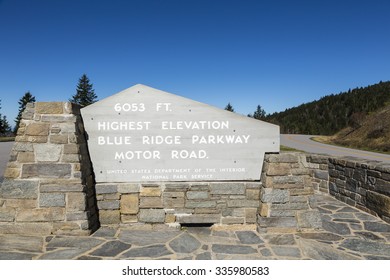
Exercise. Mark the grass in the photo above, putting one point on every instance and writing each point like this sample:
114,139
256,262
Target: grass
7,139
288,149
322,139
328,140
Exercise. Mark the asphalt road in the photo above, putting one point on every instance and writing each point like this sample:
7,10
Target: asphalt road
303,143
5,149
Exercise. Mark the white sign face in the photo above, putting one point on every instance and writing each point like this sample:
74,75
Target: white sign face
144,134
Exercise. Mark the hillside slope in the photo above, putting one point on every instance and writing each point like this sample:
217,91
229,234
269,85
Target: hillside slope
373,133
333,112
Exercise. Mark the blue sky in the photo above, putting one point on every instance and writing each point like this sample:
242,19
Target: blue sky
278,54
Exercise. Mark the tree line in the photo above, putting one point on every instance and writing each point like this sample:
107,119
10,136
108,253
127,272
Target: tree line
325,116
333,112
85,95
258,114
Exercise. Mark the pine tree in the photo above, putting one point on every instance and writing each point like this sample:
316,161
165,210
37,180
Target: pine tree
4,125
229,108
85,94
1,122
259,114
27,98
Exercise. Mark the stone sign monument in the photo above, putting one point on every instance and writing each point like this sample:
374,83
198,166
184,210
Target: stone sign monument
151,157
143,134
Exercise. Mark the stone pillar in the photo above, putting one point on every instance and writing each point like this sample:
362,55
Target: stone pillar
287,196
48,185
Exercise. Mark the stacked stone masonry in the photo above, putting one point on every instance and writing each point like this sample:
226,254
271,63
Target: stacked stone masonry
319,171
179,203
365,185
48,184
286,198
357,182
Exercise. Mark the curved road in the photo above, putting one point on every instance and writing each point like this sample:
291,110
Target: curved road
303,143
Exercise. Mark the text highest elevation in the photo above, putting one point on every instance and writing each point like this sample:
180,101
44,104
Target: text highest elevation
145,134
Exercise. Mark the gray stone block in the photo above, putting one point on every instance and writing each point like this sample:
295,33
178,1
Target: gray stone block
41,215
282,213
227,188
52,200
23,147
7,214
19,189
274,195
379,203
77,216
58,118
108,205
61,187
176,187
103,189
243,203
320,174
288,180
128,188
197,195
200,204
383,187
67,127
47,152
46,170
152,215
283,157
232,220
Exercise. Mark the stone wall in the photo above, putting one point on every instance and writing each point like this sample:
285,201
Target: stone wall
48,184
365,185
319,171
287,200
179,203
357,182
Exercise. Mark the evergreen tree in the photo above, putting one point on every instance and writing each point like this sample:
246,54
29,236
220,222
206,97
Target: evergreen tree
4,125
229,108
27,98
85,94
259,114
1,122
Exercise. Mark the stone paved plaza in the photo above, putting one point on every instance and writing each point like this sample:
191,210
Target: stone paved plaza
347,234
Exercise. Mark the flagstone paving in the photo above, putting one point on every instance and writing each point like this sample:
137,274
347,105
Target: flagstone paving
347,234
